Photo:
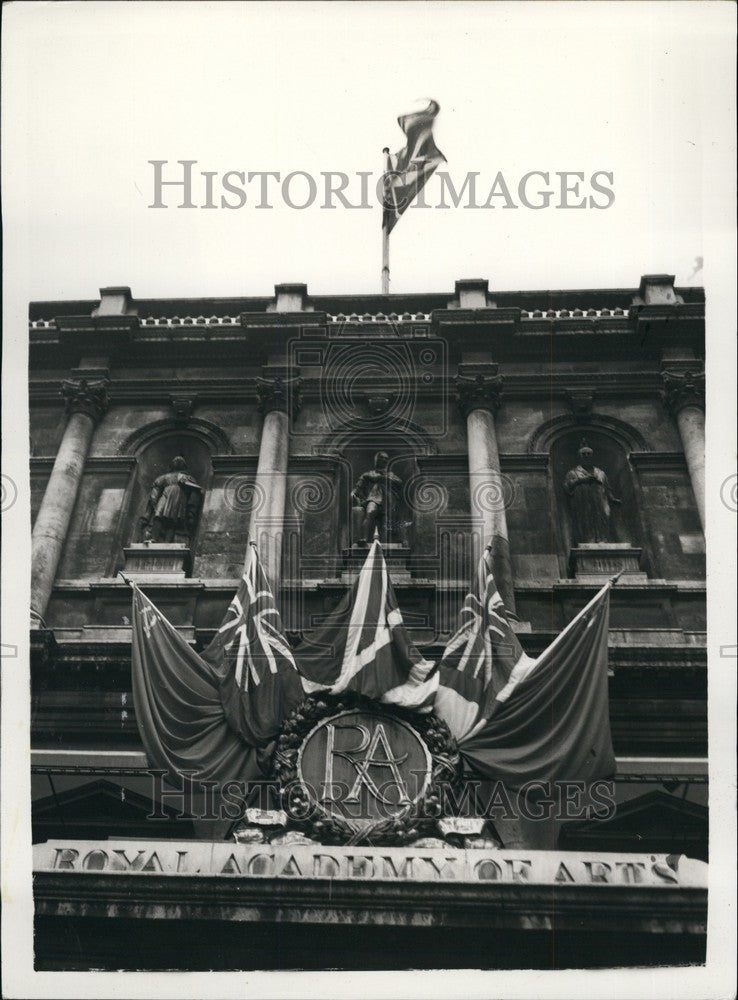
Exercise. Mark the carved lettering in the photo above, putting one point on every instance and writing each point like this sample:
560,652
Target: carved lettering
664,873
488,870
65,857
359,867
298,861
291,867
96,861
326,864
153,864
563,874
599,871
632,871
444,867
518,869
231,867
390,869
261,864
120,860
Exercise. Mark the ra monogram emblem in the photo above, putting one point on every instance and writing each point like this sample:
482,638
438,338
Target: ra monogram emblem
364,767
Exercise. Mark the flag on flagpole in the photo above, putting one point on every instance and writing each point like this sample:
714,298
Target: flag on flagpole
482,660
364,646
550,721
259,683
410,168
177,700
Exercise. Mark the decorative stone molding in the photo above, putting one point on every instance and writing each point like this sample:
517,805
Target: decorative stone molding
115,301
472,293
626,435
580,403
657,290
86,396
378,405
279,393
206,431
479,387
182,405
683,389
290,297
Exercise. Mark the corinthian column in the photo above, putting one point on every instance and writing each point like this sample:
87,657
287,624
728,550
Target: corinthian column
478,389
684,395
86,401
278,399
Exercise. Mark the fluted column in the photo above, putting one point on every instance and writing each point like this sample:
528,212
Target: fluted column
86,401
478,389
279,399
684,395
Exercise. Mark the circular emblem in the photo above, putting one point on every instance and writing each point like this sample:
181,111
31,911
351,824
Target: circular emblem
364,767
353,771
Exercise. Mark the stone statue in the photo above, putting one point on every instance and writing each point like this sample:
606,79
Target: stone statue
173,506
590,497
376,505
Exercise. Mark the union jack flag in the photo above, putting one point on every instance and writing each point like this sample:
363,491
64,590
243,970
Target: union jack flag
410,168
364,646
483,660
259,682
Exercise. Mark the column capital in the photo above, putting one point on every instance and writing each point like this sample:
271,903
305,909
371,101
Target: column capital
278,392
478,387
82,395
682,389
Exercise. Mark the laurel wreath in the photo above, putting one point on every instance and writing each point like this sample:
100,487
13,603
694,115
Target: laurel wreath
419,819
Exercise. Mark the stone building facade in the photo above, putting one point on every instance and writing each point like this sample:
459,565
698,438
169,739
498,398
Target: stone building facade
481,400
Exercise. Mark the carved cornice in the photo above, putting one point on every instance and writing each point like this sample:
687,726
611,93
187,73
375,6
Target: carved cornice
123,464
86,396
683,389
478,388
242,389
279,393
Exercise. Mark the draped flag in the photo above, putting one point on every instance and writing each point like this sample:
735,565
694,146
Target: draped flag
364,646
483,660
550,721
213,713
515,718
178,705
408,170
259,683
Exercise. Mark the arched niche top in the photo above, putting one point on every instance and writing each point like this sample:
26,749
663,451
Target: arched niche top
208,433
621,433
414,437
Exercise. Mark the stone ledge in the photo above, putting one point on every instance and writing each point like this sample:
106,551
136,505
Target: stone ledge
646,909
311,583
132,761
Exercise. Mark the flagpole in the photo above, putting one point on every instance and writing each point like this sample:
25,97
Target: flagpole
385,231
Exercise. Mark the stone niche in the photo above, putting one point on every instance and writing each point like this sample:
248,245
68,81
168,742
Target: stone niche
358,458
622,549
142,558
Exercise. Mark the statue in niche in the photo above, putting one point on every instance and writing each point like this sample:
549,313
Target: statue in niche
173,506
590,497
377,505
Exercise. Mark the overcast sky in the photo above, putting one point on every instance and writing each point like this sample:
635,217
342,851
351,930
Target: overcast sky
101,89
